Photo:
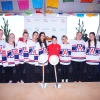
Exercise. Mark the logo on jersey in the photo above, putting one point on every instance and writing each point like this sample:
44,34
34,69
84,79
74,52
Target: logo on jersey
78,48
92,51
21,51
32,51
16,51
66,53
43,50
10,54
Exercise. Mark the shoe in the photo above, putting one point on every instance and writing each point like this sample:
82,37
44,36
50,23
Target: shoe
10,81
66,80
22,81
62,80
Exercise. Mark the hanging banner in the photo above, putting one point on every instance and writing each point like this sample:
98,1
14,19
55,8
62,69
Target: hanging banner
91,15
6,5
28,12
80,15
87,1
23,4
8,14
49,11
37,4
52,3
68,0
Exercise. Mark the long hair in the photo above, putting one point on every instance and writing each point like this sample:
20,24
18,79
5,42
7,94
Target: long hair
89,41
13,41
40,41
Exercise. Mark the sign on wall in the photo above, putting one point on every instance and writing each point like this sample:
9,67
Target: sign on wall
50,25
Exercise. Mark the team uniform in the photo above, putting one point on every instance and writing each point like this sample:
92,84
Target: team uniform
8,59
78,58
92,60
53,49
65,61
2,42
41,50
32,60
23,57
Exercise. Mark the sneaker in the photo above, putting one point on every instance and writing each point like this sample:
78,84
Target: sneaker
62,80
66,80
10,81
22,81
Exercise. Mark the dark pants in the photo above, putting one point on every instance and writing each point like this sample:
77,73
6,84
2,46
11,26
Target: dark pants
9,73
65,72
19,72
78,68
39,74
92,72
52,73
29,69
1,73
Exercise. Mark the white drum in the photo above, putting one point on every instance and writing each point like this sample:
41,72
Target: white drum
43,58
54,60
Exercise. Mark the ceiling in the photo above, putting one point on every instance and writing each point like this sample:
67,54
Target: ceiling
75,7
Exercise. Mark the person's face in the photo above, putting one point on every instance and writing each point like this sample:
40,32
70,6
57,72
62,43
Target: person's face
64,40
79,36
42,37
11,38
35,36
25,37
1,34
54,41
91,37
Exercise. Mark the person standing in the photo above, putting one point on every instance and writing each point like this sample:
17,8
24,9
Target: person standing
23,57
53,49
2,42
65,58
8,58
41,48
33,57
92,57
78,57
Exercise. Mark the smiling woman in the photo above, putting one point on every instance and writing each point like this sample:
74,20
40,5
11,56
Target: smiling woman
16,24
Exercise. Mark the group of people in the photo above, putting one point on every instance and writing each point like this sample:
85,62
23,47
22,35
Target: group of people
24,54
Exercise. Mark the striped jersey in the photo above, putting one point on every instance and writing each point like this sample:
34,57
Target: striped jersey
33,56
65,54
23,52
41,50
78,50
2,42
93,53
8,55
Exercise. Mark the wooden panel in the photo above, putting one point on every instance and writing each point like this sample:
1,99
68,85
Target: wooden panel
68,91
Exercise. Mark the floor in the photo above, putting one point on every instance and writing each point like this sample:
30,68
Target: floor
68,91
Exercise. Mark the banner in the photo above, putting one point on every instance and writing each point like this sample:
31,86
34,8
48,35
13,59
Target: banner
52,3
68,0
49,25
6,5
37,4
89,1
23,4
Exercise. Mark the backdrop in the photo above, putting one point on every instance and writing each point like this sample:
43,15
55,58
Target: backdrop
50,25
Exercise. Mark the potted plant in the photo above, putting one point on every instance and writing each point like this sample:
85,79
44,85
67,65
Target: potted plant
80,28
6,29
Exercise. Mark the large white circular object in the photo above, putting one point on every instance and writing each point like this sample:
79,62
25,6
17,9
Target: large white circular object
43,58
54,60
